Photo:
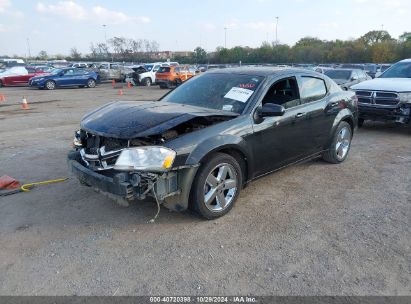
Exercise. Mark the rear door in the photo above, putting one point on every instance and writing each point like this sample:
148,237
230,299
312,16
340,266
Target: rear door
278,141
321,108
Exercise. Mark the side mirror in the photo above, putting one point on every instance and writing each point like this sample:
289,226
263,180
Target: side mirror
354,78
270,110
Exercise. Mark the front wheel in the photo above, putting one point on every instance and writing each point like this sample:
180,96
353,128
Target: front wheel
91,83
147,82
50,85
340,145
216,186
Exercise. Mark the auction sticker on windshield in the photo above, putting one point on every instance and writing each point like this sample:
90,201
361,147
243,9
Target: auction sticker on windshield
239,94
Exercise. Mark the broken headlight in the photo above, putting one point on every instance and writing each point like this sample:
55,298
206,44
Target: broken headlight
145,159
405,97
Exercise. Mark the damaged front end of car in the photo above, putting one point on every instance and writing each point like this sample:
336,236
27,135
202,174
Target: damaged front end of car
133,164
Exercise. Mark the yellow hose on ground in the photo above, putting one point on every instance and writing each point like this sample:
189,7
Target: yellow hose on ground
27,187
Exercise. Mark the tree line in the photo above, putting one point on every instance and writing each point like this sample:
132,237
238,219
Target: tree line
373,47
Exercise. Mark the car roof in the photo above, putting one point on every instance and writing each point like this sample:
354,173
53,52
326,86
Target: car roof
261,71
406,60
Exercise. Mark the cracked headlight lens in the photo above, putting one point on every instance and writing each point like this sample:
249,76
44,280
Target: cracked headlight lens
145,159
405,97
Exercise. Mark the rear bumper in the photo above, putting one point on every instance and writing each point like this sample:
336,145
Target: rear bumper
172,188
399,114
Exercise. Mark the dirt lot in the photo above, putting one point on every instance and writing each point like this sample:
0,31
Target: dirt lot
311,229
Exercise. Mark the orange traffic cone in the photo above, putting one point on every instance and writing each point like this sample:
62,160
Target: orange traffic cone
120,92
2,98
129,85
113,83
24,104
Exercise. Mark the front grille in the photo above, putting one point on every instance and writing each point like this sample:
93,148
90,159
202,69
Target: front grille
101,153
378,98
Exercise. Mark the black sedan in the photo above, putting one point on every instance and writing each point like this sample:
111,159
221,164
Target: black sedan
202,142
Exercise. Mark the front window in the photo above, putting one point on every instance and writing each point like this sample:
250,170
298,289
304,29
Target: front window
338,74
227,92
398,70
56,71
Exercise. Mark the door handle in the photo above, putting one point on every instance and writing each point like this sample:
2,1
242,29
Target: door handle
299,115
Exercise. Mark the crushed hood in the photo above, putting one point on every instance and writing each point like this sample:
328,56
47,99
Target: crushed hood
131,119
385,84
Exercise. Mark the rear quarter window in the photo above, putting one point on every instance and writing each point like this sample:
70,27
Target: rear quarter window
312,89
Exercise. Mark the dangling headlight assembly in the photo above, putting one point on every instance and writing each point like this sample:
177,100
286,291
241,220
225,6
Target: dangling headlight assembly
149,158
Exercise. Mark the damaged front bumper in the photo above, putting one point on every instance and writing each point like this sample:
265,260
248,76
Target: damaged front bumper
399,114
171,189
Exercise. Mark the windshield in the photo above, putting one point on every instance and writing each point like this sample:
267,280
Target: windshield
338,74
148,67
56,71
398,70
228,92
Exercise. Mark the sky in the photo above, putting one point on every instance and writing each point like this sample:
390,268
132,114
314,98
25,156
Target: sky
178,25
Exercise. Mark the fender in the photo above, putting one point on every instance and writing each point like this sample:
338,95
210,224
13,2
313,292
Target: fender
344,114
218,143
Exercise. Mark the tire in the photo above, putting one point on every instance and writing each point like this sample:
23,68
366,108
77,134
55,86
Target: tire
1,84
220,179
340,145
91,83
147,82
360,122
50,85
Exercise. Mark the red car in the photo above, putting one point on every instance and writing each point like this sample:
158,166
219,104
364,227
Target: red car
21,77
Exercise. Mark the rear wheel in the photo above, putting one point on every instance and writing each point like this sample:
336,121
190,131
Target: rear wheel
216,186
91,83
1,83
340,145
50,85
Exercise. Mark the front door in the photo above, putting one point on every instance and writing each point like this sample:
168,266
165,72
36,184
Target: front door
278,141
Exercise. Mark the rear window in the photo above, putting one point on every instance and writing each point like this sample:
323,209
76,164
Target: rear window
312,89
164,70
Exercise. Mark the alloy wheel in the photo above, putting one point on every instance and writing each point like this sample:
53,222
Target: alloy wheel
220,187
343,143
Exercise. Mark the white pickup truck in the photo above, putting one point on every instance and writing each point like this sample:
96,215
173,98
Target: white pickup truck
388,97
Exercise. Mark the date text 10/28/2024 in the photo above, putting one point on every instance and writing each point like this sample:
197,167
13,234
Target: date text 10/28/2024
204,299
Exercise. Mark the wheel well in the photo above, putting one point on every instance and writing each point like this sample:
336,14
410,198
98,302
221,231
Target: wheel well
350,122
239,157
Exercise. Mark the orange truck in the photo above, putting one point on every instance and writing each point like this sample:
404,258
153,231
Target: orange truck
171,76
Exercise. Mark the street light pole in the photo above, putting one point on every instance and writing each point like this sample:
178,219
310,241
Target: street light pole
105,33
28,47
225,37
276,30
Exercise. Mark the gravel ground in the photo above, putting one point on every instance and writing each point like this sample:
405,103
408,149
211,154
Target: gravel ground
311,229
